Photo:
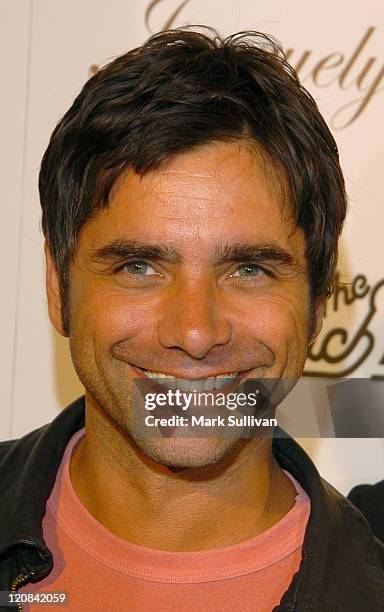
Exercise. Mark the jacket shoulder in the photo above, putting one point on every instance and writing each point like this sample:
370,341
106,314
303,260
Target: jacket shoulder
24,443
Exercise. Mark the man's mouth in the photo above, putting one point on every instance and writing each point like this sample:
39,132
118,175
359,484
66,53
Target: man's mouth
210,383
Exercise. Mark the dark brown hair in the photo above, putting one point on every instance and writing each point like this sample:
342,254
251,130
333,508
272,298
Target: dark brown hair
180,90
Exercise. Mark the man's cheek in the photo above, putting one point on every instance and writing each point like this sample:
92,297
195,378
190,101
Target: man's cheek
280,324
114,321
279,313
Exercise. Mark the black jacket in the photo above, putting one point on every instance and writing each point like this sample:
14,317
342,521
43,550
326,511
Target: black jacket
342,568
369,498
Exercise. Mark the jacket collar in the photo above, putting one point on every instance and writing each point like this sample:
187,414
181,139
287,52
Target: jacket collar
338,544
342,563
28,468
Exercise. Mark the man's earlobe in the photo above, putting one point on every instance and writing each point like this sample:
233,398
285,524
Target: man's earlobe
317,318
53,292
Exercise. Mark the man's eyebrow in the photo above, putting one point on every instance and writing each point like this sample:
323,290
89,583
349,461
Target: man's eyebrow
255,252
119,249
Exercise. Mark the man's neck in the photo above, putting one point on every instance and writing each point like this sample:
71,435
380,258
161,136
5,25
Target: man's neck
190,509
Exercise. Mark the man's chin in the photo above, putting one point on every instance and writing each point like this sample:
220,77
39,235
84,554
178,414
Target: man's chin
184,453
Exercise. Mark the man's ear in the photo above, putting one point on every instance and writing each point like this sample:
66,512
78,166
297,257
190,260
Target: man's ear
317,317
53,292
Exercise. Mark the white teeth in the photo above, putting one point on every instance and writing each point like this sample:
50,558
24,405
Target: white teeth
197,385
202,384
220,381
209,384
183,385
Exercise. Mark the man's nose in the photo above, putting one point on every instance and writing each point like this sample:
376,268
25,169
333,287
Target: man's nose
193,319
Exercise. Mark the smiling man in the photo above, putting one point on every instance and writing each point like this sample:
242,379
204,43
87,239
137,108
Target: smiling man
192,203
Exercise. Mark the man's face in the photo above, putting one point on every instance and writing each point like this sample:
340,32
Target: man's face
194,270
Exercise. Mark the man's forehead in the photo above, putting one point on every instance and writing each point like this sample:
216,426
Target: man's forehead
230,176
203,201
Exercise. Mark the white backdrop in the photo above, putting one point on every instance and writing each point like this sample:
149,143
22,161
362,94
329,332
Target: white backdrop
50,47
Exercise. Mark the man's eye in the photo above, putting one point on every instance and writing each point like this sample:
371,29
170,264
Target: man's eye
138,268
248,270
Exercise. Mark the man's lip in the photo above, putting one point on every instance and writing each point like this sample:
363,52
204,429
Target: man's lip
156,387
240,375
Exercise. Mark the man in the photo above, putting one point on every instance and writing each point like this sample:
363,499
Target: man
192,202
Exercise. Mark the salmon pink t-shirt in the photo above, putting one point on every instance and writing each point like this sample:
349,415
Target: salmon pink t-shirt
101,572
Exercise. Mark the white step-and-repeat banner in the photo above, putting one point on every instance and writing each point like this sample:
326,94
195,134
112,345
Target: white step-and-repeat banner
49,48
